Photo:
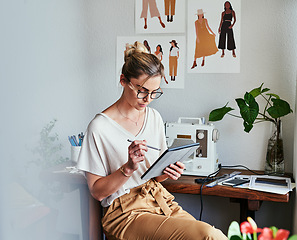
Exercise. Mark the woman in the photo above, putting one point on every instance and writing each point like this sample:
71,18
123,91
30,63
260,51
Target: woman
205,42
135,208
159,54
146,44
173,59
226,30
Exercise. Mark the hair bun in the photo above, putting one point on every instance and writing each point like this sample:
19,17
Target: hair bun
131,49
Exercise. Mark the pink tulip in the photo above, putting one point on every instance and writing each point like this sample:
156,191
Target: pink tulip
246,227
267,234
282,234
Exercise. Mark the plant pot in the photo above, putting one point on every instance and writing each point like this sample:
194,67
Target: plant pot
275,162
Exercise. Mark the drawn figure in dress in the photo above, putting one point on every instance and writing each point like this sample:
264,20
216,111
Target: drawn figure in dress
173,59
226,30
146,44
169,9
205,39
153,11
159,54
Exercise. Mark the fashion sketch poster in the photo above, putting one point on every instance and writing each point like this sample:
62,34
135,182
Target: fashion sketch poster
160,16
213,36
170,49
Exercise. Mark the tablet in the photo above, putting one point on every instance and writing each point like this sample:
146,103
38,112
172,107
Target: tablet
170,156
235,182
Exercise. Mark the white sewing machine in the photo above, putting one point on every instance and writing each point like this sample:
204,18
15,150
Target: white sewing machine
205,160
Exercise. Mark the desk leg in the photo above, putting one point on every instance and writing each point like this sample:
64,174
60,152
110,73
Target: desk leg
95,229
247,208
245,211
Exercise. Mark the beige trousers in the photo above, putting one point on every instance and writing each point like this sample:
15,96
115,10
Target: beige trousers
149,212
173,66
169,4
153,8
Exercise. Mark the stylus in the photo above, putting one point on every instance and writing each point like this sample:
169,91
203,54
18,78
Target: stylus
158,149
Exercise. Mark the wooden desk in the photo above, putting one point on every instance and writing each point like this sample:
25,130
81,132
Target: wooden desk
250,200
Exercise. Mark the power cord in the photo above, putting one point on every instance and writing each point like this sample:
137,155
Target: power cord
210,178
205,180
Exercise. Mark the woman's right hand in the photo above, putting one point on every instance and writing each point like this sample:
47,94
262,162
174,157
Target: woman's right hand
136,154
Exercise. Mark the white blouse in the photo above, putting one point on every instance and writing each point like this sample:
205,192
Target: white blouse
105,148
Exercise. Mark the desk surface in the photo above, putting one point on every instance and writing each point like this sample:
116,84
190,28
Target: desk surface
186,184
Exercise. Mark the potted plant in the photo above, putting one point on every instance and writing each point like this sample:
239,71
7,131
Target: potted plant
249,230
274,108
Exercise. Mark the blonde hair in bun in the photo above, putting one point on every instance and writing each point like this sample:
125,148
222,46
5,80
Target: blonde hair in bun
132,48
138,61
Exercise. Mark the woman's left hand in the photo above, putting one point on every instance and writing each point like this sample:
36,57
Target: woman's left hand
174,171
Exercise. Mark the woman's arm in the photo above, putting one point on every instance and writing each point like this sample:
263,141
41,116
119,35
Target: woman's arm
102,187
196,29
209,29
234,17
222,16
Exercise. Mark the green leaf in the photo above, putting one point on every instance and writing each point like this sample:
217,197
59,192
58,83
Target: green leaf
273,95
247,127
235,238
265,90
256,91
219,113
279,108
249,108
274,231
234,230
294,237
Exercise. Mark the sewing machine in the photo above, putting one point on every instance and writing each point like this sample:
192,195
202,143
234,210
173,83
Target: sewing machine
205,160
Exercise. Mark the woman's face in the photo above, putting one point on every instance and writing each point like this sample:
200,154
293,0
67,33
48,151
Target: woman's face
141,84
227,5
158,48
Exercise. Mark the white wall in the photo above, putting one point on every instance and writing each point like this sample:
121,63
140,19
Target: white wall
58,61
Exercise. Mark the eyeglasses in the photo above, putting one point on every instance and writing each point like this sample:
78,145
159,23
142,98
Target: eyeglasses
143,94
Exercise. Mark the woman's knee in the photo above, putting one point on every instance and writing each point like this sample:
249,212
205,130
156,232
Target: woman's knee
204,231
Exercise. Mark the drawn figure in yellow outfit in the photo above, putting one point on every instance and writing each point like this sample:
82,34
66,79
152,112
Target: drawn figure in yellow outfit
205,39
